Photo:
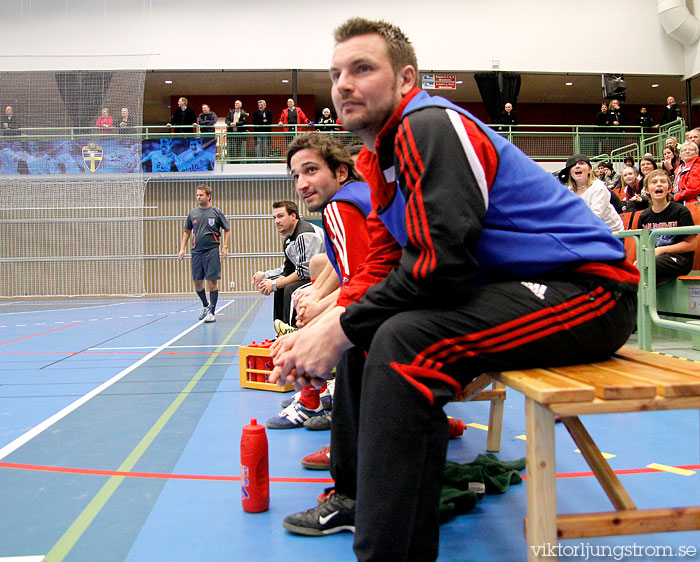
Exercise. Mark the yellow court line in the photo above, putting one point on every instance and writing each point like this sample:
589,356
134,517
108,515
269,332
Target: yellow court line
478,426
66,543
523,437
605,455
673,469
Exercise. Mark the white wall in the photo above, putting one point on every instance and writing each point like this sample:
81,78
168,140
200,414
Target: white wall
524,35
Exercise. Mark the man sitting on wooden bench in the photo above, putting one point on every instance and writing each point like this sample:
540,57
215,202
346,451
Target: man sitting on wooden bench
479,261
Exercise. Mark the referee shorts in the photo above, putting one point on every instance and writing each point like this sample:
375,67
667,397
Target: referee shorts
206,265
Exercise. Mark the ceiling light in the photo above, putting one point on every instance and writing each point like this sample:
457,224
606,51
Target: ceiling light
285,81
569,84
168,81
654,85
459,82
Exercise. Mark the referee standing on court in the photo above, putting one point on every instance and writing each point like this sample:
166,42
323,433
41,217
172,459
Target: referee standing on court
204,224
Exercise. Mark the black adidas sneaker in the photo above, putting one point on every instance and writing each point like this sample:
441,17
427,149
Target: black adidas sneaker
334,515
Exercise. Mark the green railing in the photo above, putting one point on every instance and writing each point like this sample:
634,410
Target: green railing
647,313
539,142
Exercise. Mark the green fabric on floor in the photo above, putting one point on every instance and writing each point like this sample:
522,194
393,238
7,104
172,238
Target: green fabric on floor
486,473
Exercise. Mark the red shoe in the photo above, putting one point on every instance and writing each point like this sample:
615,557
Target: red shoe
320,460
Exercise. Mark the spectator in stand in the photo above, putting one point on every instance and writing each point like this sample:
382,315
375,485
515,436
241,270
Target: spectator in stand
599,171
125,123
687,182
674,253
235,123
615,113
671,113
646,165
672,142
293,115
206,120
508,115
671,162
262,119
610,177
644,120
326,122
582,182
629,161
633,199
105,121
10,123
184,119
693,136
602,118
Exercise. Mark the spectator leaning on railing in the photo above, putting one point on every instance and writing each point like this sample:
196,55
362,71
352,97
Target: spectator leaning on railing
184,118
105,120
293,115
235,123
326,122
9,122
206,120
672,112
125,122
262,119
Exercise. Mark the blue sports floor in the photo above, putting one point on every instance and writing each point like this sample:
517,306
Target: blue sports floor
120,423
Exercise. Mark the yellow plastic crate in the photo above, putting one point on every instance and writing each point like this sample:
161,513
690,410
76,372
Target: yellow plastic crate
248,375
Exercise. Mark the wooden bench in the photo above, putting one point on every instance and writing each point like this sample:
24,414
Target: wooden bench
631,381
476,391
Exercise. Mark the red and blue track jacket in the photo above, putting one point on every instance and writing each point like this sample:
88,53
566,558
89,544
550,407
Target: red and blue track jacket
457,206
345,226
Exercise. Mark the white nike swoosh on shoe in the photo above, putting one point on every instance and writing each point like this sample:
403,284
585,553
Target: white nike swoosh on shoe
323,519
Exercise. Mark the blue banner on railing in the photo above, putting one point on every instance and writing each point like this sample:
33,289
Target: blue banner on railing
108,156
179,155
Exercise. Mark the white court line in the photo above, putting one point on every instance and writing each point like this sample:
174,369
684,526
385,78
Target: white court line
36,430
169,347
37,558
61,310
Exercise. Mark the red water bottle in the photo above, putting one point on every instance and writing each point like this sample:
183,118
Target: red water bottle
251,363
456,427
255,478
265,362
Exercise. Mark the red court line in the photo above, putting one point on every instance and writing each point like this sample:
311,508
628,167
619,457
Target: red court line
90,471
41,333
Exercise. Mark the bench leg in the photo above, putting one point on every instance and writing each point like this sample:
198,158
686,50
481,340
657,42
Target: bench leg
541,522
493,439
606,477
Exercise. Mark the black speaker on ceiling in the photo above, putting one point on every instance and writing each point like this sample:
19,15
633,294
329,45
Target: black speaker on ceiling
614,87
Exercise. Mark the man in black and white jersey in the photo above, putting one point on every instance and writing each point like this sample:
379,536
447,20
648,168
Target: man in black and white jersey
302,241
